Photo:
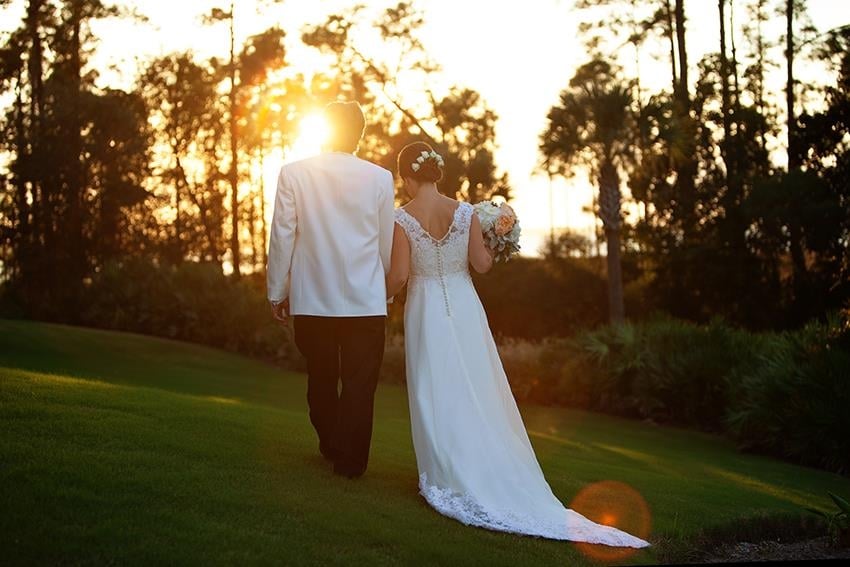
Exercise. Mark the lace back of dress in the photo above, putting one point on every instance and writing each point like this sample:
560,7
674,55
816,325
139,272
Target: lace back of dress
435,258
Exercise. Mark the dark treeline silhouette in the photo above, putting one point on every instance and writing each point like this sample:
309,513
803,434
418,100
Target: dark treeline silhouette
170,170
721,230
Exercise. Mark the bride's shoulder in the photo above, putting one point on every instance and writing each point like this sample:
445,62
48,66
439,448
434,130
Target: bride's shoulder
400,213
464,208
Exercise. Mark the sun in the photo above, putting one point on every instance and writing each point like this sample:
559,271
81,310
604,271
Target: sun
313,132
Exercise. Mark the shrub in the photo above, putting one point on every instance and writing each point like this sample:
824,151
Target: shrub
783,394
795,401
533,299
192,302
664,370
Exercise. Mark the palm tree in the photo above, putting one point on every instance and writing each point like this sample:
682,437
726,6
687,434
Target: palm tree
591,126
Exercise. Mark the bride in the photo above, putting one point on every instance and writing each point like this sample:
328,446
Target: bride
475,461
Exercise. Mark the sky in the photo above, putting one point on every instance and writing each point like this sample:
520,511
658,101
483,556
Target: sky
518,54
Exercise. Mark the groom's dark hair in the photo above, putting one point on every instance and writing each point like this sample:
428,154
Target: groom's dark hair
345,124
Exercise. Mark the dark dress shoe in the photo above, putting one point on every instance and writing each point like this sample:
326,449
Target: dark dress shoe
347,473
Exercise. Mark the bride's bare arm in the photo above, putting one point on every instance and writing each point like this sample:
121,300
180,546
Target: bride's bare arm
480,256
399,263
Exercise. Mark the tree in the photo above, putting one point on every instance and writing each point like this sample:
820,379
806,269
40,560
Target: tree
52,162
117,148
566,244
181,95
233,111
219,15
263,121
591,127
754,74
462,127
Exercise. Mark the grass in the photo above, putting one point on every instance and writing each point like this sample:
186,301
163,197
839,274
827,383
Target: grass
121,448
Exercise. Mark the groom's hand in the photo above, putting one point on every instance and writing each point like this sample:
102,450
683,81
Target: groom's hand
280,311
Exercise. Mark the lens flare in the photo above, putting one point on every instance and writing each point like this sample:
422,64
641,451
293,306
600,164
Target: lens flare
615,504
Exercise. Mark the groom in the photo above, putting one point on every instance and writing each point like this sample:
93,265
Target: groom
329,251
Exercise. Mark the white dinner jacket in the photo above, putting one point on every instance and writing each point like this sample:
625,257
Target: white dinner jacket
331,236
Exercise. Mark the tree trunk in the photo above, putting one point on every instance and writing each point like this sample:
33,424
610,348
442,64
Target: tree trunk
609,212
263,227
670,36
724,90
234,153
760,58
686,171
798,261
616,309
22,245
798,258
252,223
733,71
178,224
683,52
793,160
74,243
732,196
35,76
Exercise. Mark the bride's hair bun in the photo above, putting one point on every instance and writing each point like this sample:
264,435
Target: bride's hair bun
419,161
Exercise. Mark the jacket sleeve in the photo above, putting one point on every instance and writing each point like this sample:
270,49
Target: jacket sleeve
281,240
386,219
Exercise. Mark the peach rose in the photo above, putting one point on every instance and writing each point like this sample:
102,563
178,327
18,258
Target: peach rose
504,224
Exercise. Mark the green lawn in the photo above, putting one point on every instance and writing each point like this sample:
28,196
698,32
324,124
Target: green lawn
121,448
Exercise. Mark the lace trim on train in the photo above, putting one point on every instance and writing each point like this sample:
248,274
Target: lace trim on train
465,509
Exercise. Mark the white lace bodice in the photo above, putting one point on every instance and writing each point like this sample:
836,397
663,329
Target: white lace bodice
434,258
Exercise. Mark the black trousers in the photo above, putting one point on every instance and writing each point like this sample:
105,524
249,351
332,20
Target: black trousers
348,350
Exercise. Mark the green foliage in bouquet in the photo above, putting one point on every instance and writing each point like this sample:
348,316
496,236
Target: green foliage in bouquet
503,247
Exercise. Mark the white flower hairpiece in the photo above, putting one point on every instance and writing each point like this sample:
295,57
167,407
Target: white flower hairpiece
427,155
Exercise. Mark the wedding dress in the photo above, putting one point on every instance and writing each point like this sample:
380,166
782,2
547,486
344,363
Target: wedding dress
475,461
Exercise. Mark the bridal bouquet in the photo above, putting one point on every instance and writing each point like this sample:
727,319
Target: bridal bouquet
501,228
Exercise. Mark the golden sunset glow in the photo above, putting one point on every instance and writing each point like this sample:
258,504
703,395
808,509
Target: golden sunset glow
312,135
508,74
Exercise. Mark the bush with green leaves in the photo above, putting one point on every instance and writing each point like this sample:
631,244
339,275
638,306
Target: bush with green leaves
783,394
795,402
664,370
193,302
